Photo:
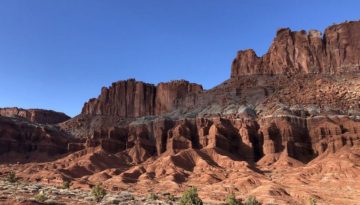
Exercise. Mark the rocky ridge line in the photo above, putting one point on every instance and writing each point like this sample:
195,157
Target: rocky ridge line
35,115
292,52
132,98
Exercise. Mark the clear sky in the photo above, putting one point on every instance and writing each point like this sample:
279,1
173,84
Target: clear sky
56,54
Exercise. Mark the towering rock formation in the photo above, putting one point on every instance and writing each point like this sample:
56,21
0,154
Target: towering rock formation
124,98
281,115
136,99
337,51
35,115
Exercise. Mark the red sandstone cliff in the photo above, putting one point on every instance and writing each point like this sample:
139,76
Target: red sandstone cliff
124,98
35,115
302,138
337,51
136,99
295,53
28,141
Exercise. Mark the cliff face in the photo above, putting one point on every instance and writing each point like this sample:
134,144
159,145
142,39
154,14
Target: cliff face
124,98
135,99
302,138
337,51
175,94
35,115
32,141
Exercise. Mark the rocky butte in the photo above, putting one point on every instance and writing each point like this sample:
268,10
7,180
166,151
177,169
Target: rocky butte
284,128
337,51
135,99
35,115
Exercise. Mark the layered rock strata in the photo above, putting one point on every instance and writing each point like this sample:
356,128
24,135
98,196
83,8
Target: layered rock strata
29,141
292,52
135,99
35,115
302,138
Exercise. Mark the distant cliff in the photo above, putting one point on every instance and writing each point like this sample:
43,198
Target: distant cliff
135,99
337,51
300,52
35,115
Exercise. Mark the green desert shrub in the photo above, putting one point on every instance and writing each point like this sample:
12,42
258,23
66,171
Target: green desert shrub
153,196
40,197
11,177
171,197
190,197
312,201
66,184
231,200
251,200
98,193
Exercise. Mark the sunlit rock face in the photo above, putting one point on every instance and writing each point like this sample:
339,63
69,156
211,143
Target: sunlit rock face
135,99
292,52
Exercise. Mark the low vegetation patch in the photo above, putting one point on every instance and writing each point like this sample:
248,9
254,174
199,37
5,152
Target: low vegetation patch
171,197
66,184
312,201
231,200
40,197
11,177
153,196
98,193
251,200
190,197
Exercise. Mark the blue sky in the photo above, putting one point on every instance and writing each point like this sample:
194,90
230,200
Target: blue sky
58,54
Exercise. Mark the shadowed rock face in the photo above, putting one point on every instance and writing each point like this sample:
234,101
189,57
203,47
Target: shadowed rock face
29,141
135,99
337,51
302,138
305,138
35,115
124,98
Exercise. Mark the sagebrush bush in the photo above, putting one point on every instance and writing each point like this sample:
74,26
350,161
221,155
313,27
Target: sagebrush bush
40,197
11,177
171,198
251,200
98,193
66,184
190,197
312,201
231,200
153,196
